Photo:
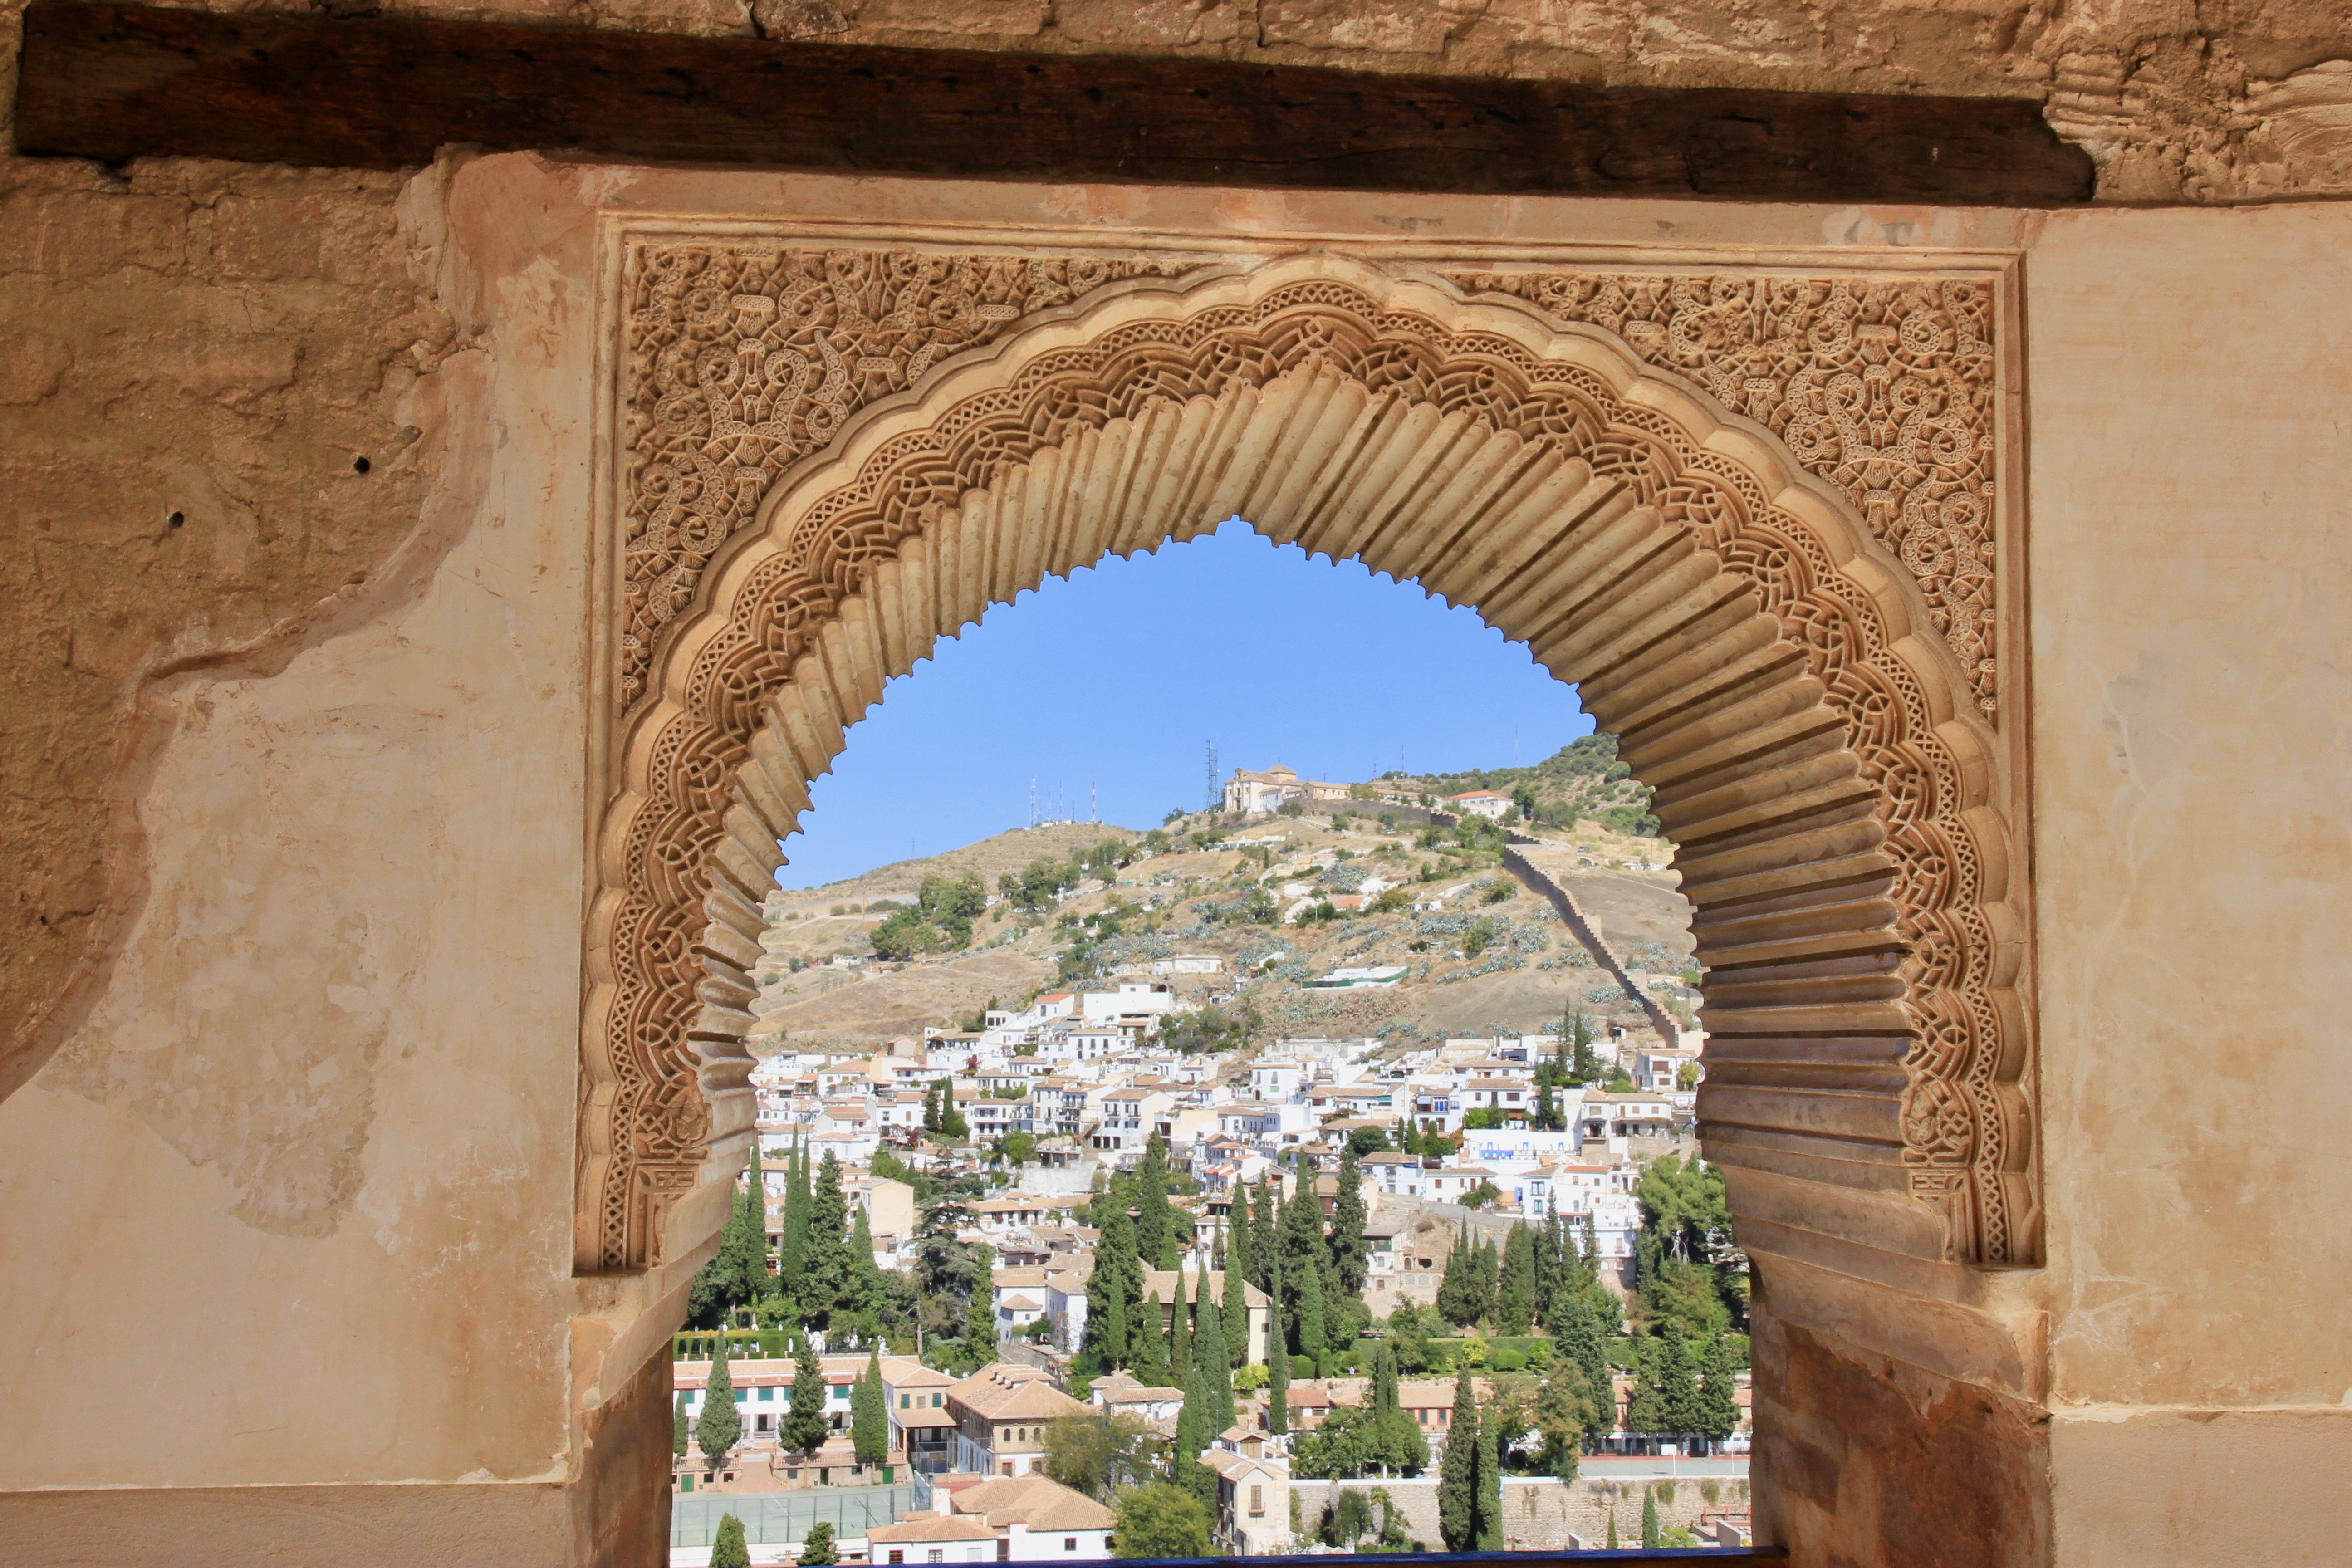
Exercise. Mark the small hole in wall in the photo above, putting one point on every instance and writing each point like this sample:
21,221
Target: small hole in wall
360,465
175,520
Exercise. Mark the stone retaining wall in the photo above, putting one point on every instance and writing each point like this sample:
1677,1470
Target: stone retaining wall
1540,1513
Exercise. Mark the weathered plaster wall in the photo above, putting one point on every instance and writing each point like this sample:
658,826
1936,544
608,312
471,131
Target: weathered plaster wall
2192,605
296,1193
215,343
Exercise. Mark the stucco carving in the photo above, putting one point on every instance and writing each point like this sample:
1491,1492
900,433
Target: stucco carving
1848,865
1884,388
745,357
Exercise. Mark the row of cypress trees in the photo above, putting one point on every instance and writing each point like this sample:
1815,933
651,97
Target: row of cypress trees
805,1424
824,1259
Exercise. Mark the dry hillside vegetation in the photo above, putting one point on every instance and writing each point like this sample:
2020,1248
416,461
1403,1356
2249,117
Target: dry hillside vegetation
1489,955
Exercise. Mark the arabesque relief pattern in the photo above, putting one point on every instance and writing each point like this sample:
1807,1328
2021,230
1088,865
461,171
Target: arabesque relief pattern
743,358
1884,388
857,583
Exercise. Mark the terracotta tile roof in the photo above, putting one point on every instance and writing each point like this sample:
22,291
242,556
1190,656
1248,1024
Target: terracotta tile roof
1037,1501
933,1526
1009,1392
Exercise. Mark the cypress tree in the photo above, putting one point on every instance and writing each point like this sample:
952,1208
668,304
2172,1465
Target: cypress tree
1514,1304
1456,1292
1192,1435
1310,1314
1277,1384
1110,1320
742,1270
718,1426
1239,1258
677,1444
979,1307
862,1293
1302,1237
1148,1355
952,1124
1651,1539
1547,1108
1233,1313
806,1427
1490,1489
1115,1286
1645,1412
1155,1238
1678,1403
1266,1229
726,1547
1351,1253
792,1252
1545,1245
1579,1338
1719,1409
930,1107
1215,1364
1179,1337
1612,1529
826,1261
1487,1279
870,1420
1457,1482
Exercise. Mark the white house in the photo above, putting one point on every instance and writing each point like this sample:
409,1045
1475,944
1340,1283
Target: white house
1482,802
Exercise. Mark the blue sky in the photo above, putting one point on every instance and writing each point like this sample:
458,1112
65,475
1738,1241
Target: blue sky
1118,678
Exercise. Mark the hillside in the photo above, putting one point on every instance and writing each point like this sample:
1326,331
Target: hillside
1191,890
1583,780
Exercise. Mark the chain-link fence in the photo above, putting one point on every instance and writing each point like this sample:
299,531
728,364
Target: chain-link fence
777,1517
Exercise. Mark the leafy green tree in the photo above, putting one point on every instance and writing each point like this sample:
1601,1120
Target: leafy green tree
1097,1454
1515,1299
678,1442
1350,1251
804,1429
1157,1520
721,1424
817,1550
869,1421
726,1547
1562,1416
1458,1473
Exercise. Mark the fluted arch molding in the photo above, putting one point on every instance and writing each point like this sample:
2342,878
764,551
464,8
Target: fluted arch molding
1730,619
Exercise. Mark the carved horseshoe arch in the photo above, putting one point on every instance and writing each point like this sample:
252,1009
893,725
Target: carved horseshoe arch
1775,666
